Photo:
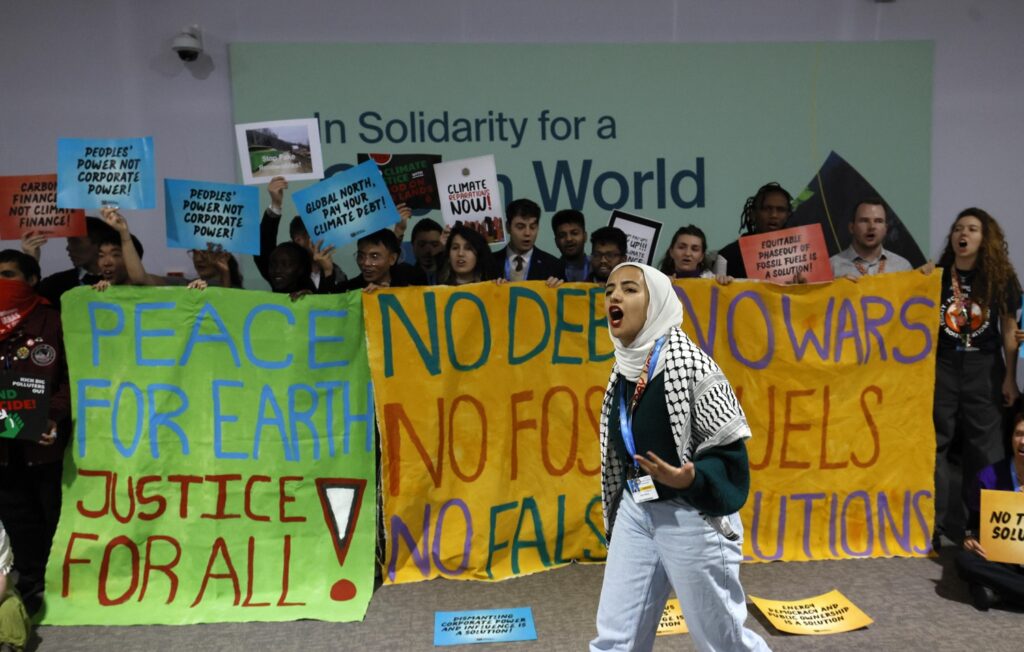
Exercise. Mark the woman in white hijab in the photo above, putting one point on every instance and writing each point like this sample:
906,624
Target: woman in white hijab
674,473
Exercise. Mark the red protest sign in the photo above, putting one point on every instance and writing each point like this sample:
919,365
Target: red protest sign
29,203
780,255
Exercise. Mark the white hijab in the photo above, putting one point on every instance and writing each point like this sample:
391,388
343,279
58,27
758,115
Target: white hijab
664,312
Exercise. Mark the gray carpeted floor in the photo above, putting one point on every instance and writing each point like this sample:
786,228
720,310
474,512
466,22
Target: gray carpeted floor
917,604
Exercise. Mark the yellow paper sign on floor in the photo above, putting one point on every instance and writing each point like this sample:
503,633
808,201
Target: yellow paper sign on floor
1002,526
672,621
830,613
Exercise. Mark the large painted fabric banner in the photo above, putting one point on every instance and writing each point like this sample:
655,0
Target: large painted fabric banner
487,399
222,466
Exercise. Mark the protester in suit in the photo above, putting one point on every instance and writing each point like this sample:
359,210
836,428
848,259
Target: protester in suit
84,255
377,256
521,260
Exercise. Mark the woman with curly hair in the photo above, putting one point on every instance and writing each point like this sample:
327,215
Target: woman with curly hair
976,365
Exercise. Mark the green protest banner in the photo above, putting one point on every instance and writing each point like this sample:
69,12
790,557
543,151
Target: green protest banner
222,466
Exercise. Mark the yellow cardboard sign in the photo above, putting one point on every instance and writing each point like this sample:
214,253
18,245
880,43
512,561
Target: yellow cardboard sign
1002,526
830,613
672,621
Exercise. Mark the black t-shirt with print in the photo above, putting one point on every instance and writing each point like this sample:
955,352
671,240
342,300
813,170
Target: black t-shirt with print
983,326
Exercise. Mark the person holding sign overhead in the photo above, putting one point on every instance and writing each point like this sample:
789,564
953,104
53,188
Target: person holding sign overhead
989,580
31,347
674,474
976,359
325,275
520,260
767,210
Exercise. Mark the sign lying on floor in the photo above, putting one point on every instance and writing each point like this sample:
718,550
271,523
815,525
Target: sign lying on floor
672,621
829,613
484,626
1002,526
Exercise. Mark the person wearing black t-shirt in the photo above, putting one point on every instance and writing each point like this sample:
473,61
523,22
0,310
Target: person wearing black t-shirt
976,362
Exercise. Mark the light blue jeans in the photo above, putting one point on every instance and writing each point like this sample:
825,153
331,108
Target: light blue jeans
663,545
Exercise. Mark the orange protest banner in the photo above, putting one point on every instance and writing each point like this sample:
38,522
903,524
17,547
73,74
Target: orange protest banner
780,256
29,203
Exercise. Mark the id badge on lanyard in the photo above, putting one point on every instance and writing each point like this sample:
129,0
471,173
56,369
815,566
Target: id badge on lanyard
640,486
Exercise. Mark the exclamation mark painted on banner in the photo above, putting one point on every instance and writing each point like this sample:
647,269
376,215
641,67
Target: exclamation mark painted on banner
341,499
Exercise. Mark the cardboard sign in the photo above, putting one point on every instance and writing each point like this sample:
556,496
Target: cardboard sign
641,236
780,255
672,621
830,613
484,626
279,148
410,178
1002,526
347,205
201,215
24,405
29,204
93,173
468,190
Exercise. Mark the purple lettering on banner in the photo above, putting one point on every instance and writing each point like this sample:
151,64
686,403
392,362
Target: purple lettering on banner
847,328
705,338
926,331
800,348
768,330
439,526
832,518
922,520
780,536
872,324
885,515
419,557
808,500
869,524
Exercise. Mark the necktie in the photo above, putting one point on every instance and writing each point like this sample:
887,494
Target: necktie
519,263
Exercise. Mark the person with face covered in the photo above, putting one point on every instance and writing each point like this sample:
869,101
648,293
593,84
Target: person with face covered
32,344
674,473
976,360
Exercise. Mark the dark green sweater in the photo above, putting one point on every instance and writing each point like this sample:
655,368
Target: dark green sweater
722,479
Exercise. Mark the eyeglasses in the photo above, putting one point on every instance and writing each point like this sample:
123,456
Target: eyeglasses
372,257
605,255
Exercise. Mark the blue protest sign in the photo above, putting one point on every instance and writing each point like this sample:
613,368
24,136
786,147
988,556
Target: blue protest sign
347,205
484,626
201,214
91,173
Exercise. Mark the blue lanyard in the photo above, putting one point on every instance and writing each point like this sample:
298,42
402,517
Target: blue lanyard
508,267
1013,476
625,416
